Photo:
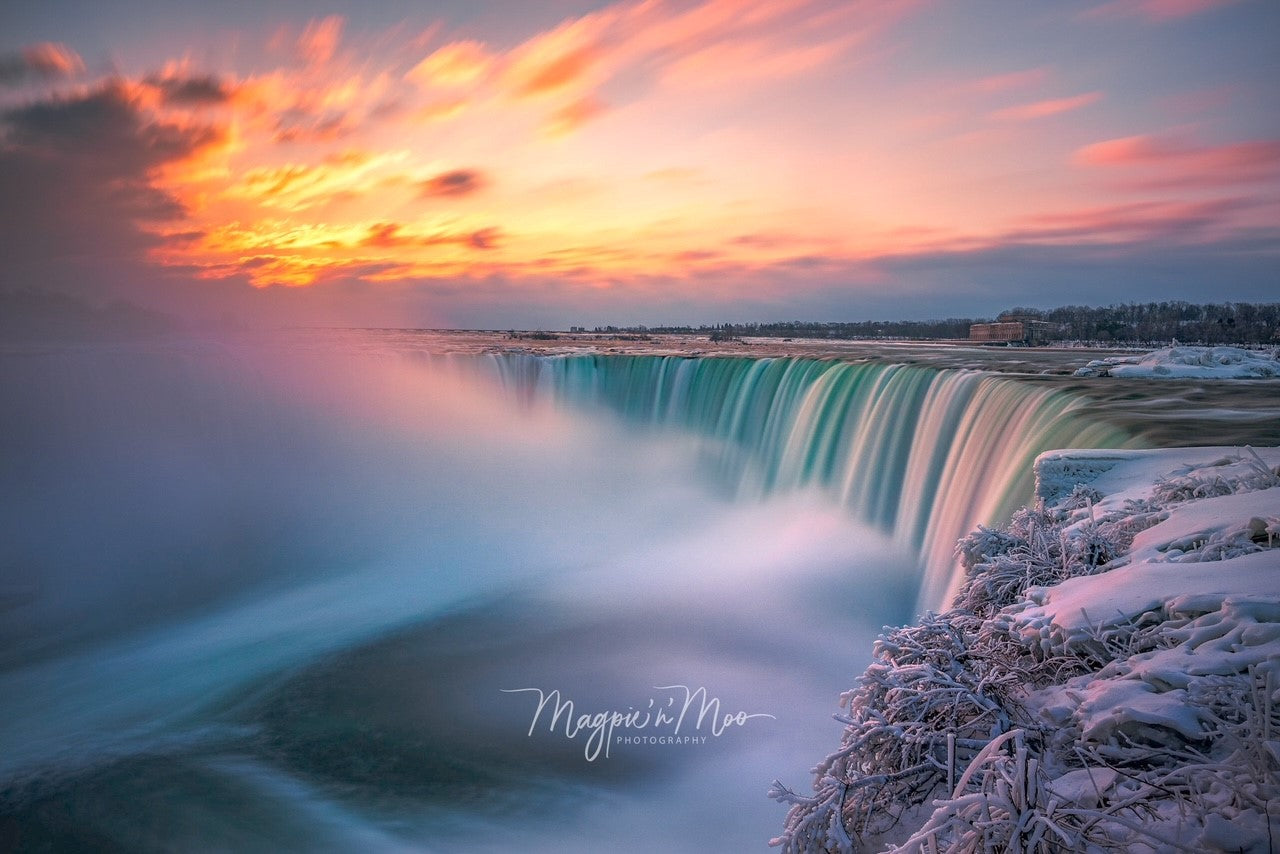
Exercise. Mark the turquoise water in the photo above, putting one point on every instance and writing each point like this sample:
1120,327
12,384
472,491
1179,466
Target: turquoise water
921,454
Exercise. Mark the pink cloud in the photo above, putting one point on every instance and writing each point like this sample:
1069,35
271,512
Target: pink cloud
1129,149
319,40
1167,161
1043,109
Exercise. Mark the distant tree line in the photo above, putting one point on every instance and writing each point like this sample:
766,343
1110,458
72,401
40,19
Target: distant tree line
1216,323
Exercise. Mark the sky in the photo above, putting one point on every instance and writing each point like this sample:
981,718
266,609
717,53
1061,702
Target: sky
504,164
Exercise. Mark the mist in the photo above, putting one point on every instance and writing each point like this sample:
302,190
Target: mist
232,560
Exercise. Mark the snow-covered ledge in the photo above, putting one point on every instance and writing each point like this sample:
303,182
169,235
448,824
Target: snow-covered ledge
1108,678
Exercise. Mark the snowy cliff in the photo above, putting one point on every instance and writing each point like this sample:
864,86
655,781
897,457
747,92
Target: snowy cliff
1107,679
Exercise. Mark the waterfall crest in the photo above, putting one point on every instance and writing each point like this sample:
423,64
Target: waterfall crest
921,453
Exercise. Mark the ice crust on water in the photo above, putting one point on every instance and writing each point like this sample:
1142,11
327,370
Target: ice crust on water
1120,644
1189,362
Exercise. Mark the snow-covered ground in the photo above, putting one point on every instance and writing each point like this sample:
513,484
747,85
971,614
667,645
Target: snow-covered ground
1189,362
1108,678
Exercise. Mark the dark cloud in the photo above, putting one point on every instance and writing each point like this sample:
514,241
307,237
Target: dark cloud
206,90
458,182
78,195
104,129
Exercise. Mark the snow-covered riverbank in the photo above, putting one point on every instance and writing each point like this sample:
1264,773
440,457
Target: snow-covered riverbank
1107,679
1211,363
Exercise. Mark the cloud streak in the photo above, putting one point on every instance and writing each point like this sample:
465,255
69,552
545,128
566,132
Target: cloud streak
319,41
1156,161
1047,108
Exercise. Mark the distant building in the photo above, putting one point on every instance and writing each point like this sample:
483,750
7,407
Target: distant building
1025,331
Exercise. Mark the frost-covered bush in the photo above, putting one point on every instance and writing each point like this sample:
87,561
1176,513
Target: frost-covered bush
1036,549
1226,476
928,703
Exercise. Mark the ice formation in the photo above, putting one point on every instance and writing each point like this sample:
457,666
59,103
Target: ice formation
1189,363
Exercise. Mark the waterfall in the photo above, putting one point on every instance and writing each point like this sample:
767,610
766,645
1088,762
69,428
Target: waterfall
921,453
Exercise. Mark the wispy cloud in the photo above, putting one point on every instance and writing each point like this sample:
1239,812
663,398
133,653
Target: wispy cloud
1154,161
572,116
319,41
1044,109
455,64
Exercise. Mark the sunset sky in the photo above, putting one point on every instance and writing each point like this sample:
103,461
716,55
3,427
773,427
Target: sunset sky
541,164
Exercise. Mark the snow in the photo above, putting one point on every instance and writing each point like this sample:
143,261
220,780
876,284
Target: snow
1108,678
1189,362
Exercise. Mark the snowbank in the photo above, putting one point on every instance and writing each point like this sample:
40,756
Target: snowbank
1108,678
1223,363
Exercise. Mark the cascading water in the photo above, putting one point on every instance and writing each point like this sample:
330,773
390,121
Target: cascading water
920,453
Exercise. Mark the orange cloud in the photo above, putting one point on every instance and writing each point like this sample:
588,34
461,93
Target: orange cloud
455,64
296,187
536,74
319,41
302,106
569,118
1043,109
441,111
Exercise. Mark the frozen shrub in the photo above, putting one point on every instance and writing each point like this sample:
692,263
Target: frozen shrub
1081,496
